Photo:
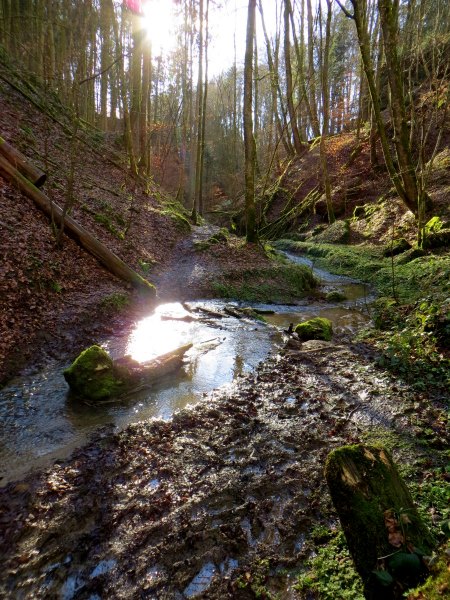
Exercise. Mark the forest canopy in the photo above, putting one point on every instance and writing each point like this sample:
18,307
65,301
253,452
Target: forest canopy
318,68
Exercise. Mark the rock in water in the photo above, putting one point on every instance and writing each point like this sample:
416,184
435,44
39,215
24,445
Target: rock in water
318,328
93,375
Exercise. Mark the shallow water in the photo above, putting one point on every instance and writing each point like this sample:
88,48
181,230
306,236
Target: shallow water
41,422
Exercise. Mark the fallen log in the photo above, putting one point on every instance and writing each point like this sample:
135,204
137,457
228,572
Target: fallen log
89,242
21,163
95,376
385,534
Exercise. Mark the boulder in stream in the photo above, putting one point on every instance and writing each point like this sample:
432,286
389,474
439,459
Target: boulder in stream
318,328
335,296
94,375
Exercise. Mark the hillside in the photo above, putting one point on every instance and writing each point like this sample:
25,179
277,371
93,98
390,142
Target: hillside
56,299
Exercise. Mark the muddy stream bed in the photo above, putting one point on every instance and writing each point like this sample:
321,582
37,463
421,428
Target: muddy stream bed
41,421
190,489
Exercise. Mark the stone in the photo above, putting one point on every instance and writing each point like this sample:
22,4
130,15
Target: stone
92,375
396,247
337,233
335,296
318,328
95,376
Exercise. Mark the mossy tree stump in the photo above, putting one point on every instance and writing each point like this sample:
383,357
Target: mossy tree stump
385,535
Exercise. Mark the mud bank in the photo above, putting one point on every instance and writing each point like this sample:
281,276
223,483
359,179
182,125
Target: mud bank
191,508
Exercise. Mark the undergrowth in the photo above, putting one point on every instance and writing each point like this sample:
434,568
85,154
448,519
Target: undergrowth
412,319
331,574
279,284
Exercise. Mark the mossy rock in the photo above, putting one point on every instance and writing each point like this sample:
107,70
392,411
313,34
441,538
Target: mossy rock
396,247
410,255
337,233
93,375
335,296
318,328
438,239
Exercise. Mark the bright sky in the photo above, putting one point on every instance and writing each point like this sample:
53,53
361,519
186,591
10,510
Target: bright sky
225,23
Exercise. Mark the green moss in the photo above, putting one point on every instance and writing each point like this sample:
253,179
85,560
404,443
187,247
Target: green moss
337,233
115,302
396,247
219,237
418,277
92,375
335,296
106,221
364,483
318,328
175,211
279,283
437,586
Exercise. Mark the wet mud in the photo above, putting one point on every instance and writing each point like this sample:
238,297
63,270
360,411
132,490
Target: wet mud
192,507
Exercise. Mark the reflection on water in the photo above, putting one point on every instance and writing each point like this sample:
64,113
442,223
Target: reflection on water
41,422
40,419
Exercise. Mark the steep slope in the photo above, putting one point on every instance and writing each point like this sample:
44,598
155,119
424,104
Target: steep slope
44,288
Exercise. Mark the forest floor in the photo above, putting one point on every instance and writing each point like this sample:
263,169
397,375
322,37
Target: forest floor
227,499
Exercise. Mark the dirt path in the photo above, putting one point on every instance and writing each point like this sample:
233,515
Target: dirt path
187,274
190,508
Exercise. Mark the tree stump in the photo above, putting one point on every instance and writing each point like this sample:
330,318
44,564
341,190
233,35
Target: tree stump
385,535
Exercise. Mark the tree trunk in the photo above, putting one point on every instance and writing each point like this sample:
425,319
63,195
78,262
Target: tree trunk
107,258
385,535
274,86
20,162
360,19
249,142
326,111
289,86
311,72
389,24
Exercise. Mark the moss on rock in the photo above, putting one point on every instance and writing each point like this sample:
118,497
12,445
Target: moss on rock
337,233
318,328
335,296
92,375
396,247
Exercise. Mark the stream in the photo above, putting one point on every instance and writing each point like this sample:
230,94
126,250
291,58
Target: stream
41,422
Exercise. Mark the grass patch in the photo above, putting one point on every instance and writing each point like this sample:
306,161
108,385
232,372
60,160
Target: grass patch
331,574
413,319
279,283
115,302
410,281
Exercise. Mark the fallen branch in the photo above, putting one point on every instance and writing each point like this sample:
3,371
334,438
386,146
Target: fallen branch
90,243
21,163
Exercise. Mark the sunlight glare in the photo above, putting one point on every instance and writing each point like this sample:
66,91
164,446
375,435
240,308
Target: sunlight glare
160,23
154,336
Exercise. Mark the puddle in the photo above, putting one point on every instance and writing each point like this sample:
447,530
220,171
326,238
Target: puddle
104,566
201,581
